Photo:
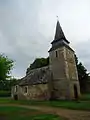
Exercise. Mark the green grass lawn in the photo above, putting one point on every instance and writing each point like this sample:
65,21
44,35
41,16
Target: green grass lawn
82,104
85,97
17,113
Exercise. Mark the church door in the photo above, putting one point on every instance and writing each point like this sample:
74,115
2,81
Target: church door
75,92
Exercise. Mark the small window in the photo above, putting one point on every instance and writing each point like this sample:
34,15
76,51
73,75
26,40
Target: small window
25,89
56,54
16,88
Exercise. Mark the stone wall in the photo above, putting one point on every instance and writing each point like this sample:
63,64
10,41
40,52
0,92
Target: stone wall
57,64
71,64
34,92
65,75
71,70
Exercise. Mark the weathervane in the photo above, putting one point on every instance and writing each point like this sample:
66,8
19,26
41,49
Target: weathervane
57,17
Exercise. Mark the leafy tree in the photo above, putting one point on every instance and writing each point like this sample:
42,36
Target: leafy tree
82,75
7,84
6,65
39,62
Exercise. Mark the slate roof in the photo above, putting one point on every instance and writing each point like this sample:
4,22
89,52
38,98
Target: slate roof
59,35
60,45
36,76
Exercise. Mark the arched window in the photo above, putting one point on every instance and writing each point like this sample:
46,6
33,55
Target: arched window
26,89
16,88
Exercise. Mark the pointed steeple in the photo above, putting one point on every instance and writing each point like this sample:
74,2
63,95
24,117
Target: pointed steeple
59,34
59,39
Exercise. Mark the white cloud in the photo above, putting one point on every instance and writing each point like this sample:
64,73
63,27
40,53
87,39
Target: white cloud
27,27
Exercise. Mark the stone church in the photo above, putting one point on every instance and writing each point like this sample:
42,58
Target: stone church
59,80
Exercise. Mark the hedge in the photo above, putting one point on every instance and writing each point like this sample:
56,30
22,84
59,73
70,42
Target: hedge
5,93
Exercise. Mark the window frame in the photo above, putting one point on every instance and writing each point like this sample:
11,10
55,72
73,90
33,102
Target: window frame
16,89
25,89
56,54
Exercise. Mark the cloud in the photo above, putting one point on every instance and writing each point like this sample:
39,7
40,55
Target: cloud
27,27
83,53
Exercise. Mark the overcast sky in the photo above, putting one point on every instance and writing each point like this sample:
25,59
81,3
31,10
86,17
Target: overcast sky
27,27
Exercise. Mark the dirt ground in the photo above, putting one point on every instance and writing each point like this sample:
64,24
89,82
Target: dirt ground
69,114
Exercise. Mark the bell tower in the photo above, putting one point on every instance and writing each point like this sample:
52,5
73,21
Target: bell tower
63,67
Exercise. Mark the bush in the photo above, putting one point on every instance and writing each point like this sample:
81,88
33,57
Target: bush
5,93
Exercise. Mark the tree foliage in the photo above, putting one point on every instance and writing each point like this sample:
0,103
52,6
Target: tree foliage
6,65
82,75
39,62
6,85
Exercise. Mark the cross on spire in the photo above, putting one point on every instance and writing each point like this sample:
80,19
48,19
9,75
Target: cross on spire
57,17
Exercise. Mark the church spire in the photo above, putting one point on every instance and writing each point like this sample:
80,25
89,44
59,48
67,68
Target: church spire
59,34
